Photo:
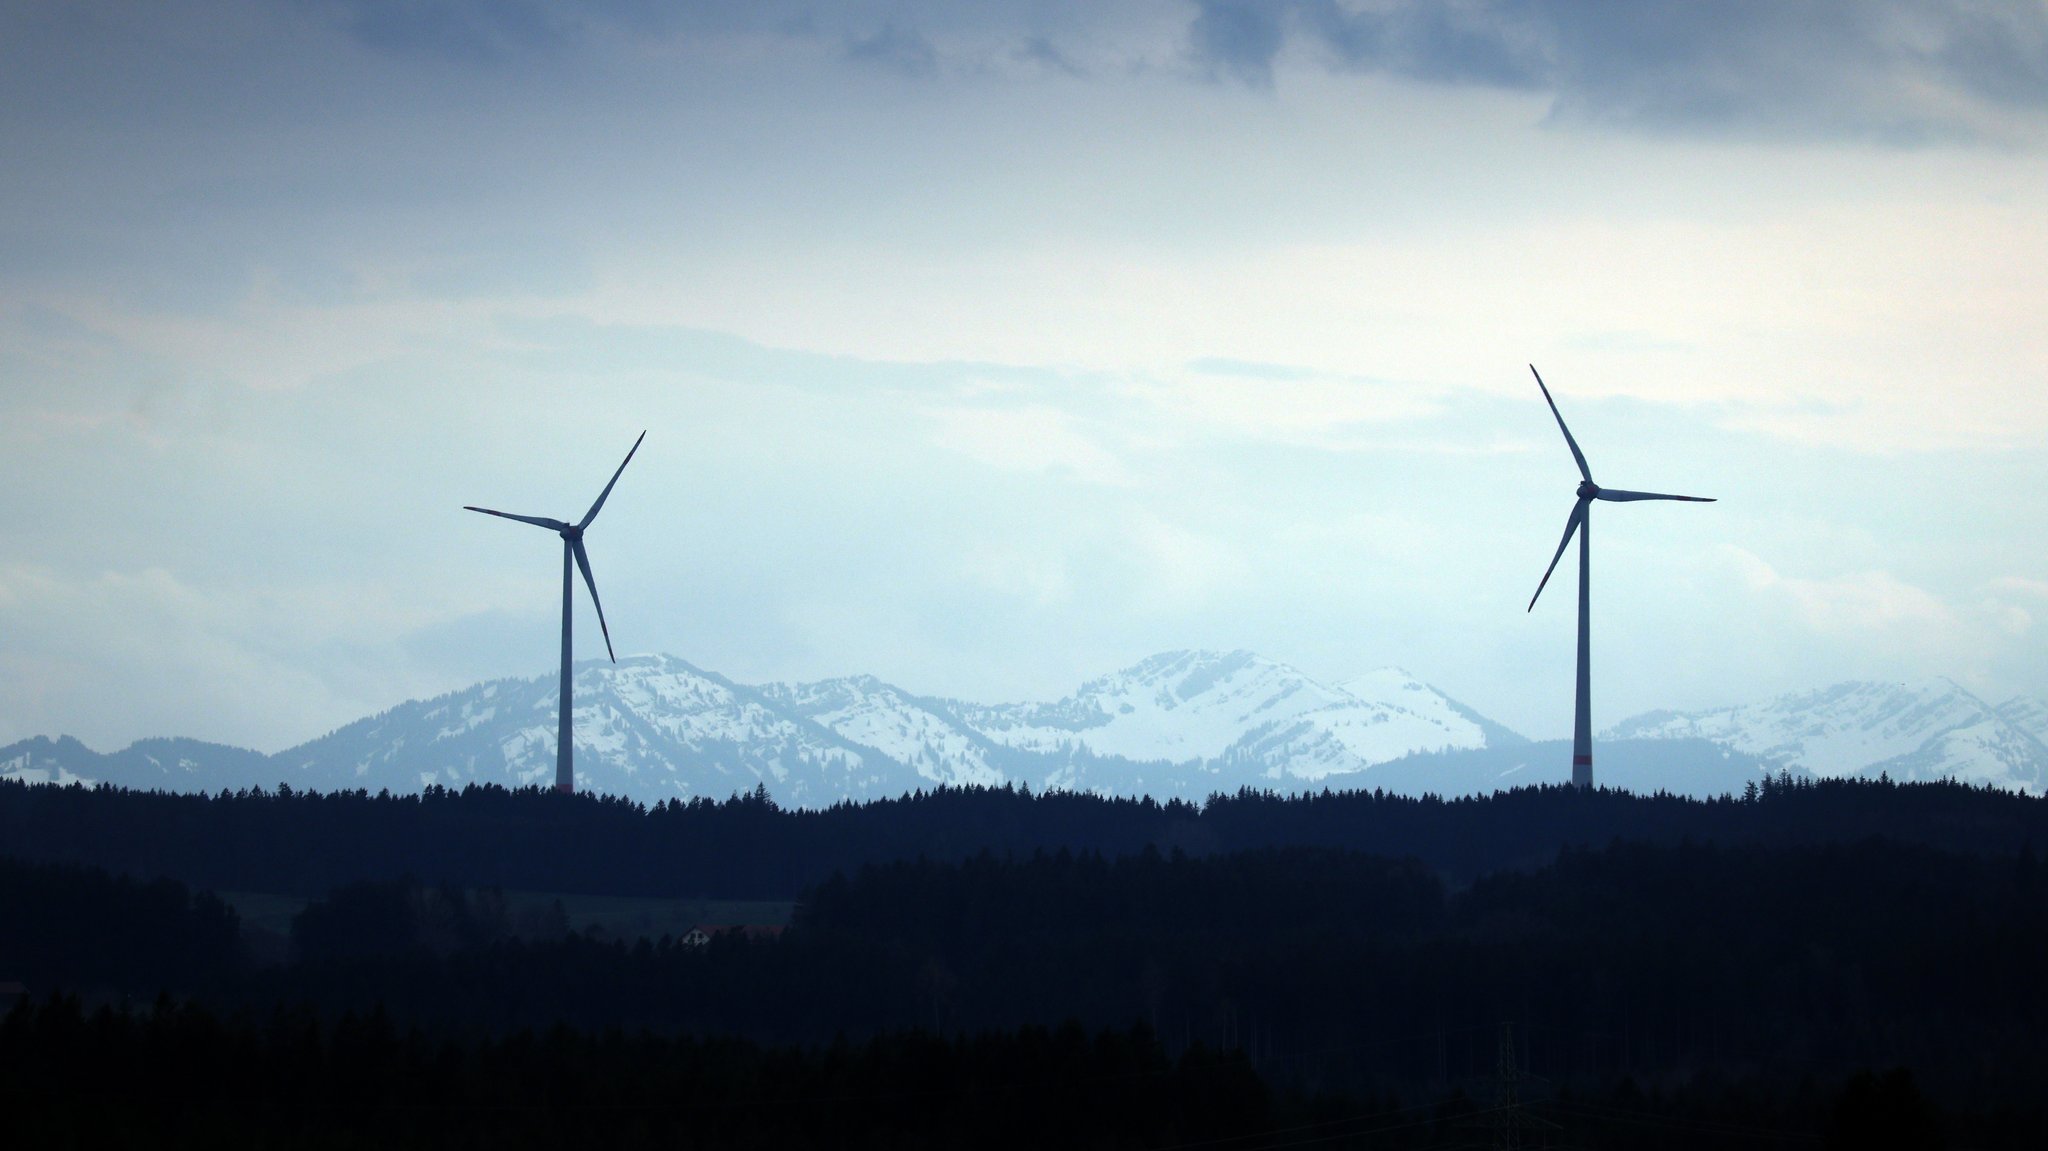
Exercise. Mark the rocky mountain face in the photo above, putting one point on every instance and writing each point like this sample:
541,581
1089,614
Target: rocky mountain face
1934,729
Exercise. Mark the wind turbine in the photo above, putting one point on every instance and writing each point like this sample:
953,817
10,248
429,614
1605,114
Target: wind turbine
572,549
1581,522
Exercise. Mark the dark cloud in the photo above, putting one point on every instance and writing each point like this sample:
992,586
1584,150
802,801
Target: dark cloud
1448,42
2001,53
1899,68
495,30
463,30
902,49
1883,68
478,30
1044,53
1239,38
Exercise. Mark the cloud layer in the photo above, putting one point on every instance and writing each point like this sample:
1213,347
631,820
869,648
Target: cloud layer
986,347
1888,69
1896,70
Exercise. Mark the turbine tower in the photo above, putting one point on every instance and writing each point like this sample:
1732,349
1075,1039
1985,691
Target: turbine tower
1581,522
572,550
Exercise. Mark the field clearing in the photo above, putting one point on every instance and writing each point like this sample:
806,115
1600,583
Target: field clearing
636,917
267,917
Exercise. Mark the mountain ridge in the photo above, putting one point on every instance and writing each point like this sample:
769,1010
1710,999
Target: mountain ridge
1183,724
1931,729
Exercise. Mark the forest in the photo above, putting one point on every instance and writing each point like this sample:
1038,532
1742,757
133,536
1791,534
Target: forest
307,843
1846,964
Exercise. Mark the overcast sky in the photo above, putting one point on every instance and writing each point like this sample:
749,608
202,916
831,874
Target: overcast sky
990,347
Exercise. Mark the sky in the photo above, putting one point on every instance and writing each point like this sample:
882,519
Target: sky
989,348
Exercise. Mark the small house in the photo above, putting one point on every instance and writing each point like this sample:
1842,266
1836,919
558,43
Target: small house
701,934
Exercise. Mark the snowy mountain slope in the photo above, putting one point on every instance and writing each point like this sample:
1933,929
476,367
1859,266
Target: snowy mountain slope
1411,715
1985,751
2028,714
1393,686
1186,724
62,761
1929,730
1249,716
652,727
1173,708
920,733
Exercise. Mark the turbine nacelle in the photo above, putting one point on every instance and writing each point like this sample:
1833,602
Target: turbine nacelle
1588,491
572,537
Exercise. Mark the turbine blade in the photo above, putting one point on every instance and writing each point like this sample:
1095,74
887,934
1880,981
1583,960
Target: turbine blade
1571,528
601,496
537,521
1622,497
1569,441
583,563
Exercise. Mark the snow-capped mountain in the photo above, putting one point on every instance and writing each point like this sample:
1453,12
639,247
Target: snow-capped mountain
649,727
655,727
1240,708
1186,724
1929,730
918,733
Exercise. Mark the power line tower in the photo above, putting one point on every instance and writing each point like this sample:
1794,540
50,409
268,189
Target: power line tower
1507,1099
1513,1127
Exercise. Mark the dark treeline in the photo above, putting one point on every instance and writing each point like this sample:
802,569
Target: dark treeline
746,847
1659,994
81,927
181,1076
1675,969
1652,961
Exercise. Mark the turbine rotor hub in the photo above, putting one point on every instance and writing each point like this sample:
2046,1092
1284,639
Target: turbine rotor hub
1588,489
572,533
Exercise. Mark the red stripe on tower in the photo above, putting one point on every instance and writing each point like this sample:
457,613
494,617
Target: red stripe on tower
1582,761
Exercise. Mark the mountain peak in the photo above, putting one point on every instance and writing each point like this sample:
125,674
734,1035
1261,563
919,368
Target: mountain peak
1926,729
1197,665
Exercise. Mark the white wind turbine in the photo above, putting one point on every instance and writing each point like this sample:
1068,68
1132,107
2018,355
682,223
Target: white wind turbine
572,550
1581,522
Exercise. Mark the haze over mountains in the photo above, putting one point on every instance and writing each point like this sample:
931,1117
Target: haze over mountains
1185,724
